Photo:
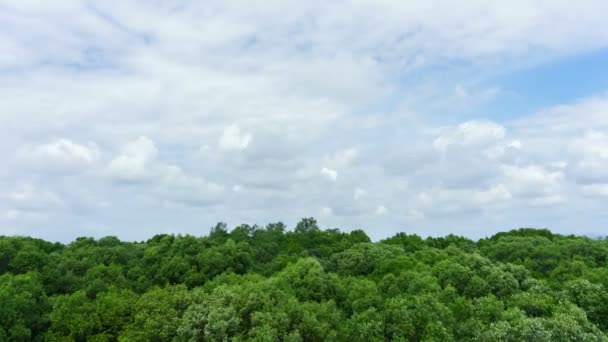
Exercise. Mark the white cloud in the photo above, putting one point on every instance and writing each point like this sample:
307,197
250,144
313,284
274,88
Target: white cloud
60,154
177,186
571,141
11,214
30,198
233,140
442,201
134,161
326,211
592,144
565,120
330,174
595,190
414,214
590,158
547,201
138,163
494,194
501,150
435,31
533,181
381,210
515,144
470,133
345,157
342,159
359,194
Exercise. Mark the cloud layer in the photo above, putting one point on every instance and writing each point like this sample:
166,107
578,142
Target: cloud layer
135,118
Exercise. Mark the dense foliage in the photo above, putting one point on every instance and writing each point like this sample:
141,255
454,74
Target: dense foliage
270,284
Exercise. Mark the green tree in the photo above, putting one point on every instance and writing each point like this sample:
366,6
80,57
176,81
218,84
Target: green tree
24,307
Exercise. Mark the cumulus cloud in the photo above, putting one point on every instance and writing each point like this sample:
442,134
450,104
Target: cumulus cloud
344,157
359,194
62,154
564,120
547,201
29,198
446,201
10,214
134,161
326,211
138,162
177,186
595,190
590,158
502,150
381,210
492,195
233,139
470,133
329,174
533,181
340,160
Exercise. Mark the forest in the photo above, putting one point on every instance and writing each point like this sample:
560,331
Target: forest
254,283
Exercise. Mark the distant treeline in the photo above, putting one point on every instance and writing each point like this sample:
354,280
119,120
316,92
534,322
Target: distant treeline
270,284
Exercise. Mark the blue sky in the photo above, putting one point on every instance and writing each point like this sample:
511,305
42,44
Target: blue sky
138,118
563,80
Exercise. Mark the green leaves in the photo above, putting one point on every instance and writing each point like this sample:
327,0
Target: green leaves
157,314
77,317
270,284
24,307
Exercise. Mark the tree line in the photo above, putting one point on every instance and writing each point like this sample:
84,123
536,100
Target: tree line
254,283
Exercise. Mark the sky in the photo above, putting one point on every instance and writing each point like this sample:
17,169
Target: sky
136,118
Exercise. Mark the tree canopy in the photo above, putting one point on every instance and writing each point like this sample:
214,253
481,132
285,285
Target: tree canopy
254,283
